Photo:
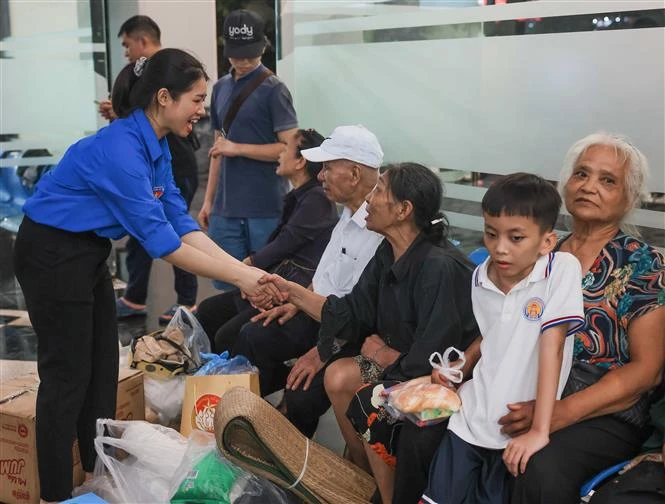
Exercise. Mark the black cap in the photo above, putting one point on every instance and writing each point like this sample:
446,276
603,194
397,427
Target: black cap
244,35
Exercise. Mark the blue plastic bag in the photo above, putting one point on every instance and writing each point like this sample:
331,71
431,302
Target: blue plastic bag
221,365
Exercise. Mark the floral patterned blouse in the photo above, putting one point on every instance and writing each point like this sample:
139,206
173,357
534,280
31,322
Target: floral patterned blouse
626,281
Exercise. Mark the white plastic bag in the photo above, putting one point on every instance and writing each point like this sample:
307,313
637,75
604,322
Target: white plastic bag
452,372
425,403
204,474
164,397
199,444
139,462
252,489
144,466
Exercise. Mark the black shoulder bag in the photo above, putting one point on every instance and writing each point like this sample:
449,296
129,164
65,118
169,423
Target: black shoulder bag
240,99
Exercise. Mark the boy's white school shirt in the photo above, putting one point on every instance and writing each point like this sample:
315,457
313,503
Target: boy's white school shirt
511,325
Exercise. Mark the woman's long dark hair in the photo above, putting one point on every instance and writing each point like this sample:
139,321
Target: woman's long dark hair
173,69
415,183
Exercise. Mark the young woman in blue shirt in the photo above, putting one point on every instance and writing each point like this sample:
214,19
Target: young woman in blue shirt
113,183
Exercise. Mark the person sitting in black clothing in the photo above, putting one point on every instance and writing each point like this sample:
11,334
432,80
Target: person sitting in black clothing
412,299
643,479
293,249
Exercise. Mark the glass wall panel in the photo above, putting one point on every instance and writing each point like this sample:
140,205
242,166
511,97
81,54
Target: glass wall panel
52,70
48,74
479,89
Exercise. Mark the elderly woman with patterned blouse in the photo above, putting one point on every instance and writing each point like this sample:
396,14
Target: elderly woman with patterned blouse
620,352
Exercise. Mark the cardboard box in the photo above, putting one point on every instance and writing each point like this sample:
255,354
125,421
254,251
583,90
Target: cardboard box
202,393
130,402
19,479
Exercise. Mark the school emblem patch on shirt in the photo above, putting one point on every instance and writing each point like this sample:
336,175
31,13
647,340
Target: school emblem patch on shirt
158,191
533,309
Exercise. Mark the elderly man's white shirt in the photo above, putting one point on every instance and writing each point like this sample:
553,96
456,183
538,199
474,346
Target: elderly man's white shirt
350,248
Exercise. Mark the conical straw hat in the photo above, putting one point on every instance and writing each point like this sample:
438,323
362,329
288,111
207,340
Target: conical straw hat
254,435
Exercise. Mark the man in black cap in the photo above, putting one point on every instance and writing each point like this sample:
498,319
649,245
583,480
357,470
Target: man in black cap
252,116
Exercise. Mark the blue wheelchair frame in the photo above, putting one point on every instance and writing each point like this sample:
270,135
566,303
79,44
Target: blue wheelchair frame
587,490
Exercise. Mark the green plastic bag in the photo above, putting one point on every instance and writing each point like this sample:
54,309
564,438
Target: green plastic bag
209,482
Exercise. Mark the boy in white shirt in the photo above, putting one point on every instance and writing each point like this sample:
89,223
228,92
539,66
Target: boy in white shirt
526,300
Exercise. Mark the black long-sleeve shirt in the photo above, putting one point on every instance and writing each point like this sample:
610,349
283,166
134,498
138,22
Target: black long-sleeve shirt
183,159
308,218
417,305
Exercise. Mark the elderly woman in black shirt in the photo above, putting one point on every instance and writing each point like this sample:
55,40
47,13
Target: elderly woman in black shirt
413,299
294,248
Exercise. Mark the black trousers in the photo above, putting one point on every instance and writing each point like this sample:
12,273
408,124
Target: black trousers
268,347
304,407
139,262
222,316
71,303
644,484
415,450
575,454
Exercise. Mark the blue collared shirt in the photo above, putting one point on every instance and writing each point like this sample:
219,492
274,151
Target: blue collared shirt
116,182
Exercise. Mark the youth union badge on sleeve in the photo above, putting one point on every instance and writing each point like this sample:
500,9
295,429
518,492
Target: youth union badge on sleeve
158,191
533,309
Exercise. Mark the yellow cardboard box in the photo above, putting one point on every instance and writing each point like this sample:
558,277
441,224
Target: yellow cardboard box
19,480
202,393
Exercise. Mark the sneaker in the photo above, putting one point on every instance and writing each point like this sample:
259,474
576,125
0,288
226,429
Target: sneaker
123,310
166,317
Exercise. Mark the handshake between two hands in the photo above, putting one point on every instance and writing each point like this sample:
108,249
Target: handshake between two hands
266,290
269,291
